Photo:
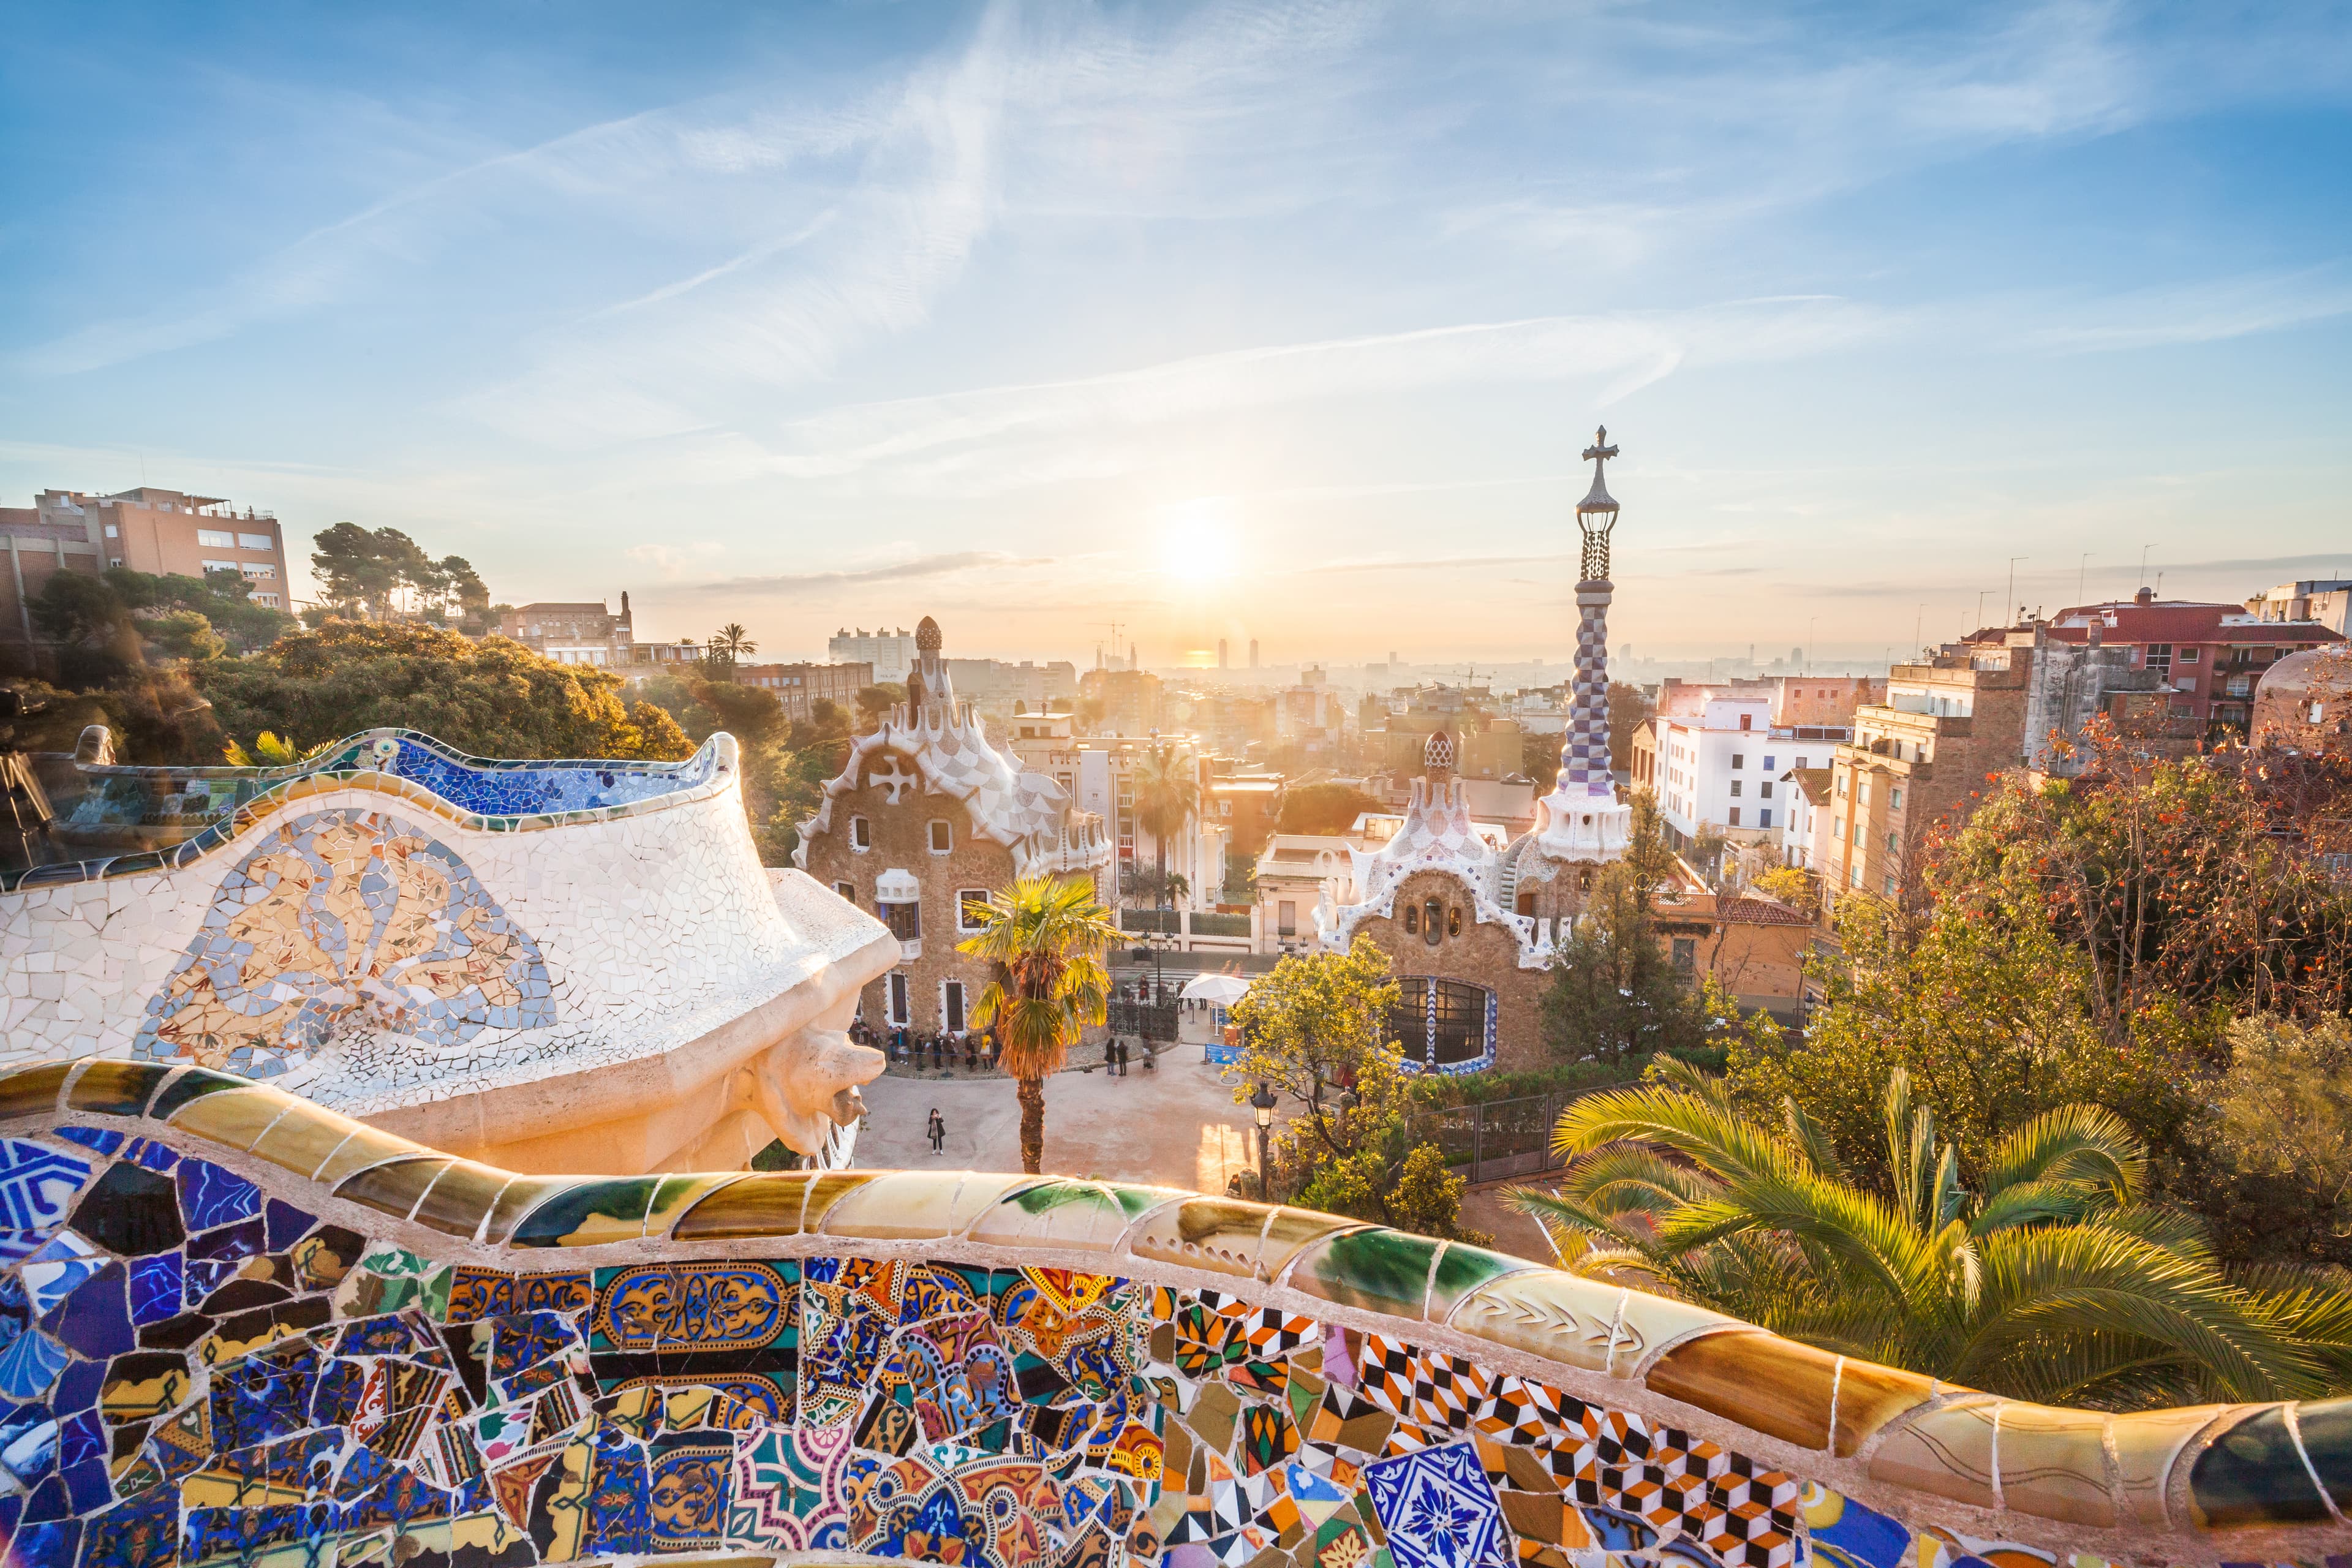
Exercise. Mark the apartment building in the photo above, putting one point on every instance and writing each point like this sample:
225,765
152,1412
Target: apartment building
151,528
800,687
1918,759
892,654
1716,753
2327,601
2204,658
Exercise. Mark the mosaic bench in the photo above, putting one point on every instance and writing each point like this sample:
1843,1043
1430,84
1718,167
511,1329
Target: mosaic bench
239,1328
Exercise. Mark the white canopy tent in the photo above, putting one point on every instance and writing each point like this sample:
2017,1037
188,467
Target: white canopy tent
1217,990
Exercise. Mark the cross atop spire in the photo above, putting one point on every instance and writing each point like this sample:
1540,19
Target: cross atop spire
1596,514
1600,451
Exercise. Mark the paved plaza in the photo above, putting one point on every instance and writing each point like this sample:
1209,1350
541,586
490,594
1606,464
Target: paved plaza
1176,1126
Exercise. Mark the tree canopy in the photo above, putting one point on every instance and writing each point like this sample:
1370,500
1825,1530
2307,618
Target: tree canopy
493,697
383,575
1323,809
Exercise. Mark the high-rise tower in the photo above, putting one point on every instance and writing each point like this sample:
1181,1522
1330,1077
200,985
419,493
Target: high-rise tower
1580,819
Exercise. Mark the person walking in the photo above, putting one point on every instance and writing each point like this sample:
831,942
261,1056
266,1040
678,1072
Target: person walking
937,1129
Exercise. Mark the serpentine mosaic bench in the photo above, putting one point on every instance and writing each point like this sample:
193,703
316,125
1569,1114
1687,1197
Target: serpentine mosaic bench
239,1328
558,965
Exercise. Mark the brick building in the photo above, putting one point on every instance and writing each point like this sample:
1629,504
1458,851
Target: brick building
152,529
926,817
567,633
800,686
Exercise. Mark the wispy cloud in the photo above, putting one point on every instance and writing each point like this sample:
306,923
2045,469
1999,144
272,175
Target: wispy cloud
796,583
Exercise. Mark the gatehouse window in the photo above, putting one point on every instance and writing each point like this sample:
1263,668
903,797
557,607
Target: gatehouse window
1412,920
861,834
1432,923
1453,921
942,838
1446,1025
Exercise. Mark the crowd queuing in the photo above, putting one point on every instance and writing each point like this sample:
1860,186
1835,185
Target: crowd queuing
949,1051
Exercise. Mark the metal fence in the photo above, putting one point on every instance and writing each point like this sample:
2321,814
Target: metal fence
1149,1020
1168,921
1498,1140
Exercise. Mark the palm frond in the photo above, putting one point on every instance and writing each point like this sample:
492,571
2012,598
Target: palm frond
2085,1143
2071,1280
1712,1134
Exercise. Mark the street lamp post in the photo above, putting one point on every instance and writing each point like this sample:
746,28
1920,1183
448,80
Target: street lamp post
1263,1103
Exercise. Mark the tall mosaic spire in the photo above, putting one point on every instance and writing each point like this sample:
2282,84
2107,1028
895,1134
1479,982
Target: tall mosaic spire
1581,819
1584,760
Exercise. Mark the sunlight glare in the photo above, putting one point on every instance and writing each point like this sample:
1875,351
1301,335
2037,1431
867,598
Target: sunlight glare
1196,540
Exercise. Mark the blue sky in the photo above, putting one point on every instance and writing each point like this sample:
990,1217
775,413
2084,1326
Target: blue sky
1272,321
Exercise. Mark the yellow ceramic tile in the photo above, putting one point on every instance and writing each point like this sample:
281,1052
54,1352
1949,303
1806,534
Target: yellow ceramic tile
1946,1451
899,1205
1757,1379
301,1141
2053,1463
394,1188
765,1203
1082,1216
1546,1313
33,1091
234,1118
116,1089
1869,1396
366,1146
461,1197
2146,1446
825,1189
1220,1235
1648,1323
679,1193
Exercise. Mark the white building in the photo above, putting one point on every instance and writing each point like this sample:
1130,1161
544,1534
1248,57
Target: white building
892,654
1723,766
1805,840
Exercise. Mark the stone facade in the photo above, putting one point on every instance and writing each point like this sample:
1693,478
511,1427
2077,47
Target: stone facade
925,813
1472,950
247,1330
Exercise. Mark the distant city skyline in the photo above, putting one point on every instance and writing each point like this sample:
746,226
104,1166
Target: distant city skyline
1280,322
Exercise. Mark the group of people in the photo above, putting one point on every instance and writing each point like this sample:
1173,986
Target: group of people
976,1048
1117,1054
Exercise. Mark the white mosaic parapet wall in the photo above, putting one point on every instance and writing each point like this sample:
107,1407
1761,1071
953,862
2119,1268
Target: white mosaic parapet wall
621,984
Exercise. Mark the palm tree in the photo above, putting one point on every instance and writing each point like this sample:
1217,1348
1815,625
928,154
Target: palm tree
731,644
1166,795
2053,1282
1047,936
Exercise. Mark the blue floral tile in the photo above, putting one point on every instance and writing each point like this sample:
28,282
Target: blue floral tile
1438,1509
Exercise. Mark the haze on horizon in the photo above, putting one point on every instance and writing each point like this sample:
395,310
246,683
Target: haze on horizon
1273,322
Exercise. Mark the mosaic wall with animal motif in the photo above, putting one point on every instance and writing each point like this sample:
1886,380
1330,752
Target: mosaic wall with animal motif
241,1330
337,919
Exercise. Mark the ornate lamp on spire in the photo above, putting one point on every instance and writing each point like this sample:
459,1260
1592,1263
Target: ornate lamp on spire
1596,514
1580,819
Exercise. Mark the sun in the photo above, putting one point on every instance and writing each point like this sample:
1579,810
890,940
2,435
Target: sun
1196,540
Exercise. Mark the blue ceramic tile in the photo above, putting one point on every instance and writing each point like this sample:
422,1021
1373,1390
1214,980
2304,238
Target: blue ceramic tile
94,1321
155,1288
104,1140
211,1197
1438,1510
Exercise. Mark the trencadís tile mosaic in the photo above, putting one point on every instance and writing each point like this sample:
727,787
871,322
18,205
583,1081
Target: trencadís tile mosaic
193,1372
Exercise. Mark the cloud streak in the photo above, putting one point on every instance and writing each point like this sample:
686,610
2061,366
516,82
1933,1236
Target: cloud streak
801,584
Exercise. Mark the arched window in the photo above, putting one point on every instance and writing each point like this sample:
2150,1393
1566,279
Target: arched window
1441,1024
1433,921
1412,920
1453,921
